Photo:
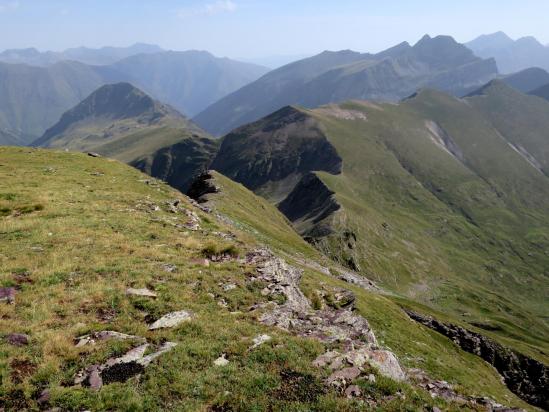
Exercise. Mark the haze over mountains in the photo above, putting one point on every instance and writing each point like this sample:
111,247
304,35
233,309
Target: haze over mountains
391,75
511,55
34,98
104,55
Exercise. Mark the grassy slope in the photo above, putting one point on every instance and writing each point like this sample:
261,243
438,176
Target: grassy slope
79,230
136,145
433,229
522,130
415,345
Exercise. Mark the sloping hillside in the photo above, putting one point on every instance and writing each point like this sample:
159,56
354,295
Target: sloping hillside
94,260
437,62
437,198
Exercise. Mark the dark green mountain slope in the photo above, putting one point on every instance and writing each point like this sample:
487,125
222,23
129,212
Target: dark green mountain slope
34,98
527,80
525,129
432,200
122,122
334,77
542,92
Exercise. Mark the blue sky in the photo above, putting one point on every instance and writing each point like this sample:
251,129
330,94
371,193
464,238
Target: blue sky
257,28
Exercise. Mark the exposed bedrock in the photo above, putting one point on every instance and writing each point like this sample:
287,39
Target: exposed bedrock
524,376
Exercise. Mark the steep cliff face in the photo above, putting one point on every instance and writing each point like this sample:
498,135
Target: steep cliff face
270,156
179,163
309,204
524,376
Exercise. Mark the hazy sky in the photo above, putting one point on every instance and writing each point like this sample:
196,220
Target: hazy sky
257,28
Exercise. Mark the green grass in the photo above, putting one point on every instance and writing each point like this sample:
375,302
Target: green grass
96,235
415,345
465,238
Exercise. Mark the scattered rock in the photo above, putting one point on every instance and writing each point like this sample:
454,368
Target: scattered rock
22,278
44,397
221,361
371,378
356,279
201,262
343,377
229,286
95,381
141,292
387,364
102,336
171,319
194,221
173,206
120,369
169,267
93,154
441,389
352,391
7,295
17,339
325,359
260,340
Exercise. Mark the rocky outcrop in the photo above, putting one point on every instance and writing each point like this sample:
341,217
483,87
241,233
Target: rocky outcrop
121,369
201,186
309,204
341,329
524,376
179,163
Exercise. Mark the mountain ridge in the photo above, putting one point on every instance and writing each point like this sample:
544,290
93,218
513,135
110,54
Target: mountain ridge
339,76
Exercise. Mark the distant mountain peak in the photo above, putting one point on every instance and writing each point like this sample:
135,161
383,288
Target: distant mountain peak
119,101
112,102
511,56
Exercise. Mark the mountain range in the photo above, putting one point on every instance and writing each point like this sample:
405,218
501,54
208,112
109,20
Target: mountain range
511,55
370,232
86,55
34,98
398,72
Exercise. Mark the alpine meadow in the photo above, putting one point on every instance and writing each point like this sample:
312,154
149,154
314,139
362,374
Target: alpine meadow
241,205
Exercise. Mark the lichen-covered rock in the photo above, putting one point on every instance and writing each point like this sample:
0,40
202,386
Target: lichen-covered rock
387,364
144,292
92,338
171,320
343,377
